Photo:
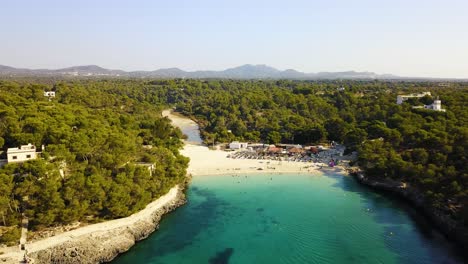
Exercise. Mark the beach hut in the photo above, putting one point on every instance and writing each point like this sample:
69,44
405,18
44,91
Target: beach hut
274,149
295,150
238,145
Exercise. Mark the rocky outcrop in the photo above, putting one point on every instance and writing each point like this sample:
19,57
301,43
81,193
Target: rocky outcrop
99,247
452,229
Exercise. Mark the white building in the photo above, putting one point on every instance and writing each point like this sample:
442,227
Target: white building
238,145
436,106
402,98
50,94
23,153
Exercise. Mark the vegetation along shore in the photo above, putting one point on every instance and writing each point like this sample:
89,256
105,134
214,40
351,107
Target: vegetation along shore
99,149
414,133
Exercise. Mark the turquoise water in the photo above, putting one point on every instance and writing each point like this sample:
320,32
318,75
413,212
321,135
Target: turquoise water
290,219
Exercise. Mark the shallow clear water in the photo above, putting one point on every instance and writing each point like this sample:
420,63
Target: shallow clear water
192,132
290,219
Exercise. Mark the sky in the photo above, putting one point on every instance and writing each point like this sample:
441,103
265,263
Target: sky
417,38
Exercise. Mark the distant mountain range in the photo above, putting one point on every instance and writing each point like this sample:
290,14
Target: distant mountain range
247,71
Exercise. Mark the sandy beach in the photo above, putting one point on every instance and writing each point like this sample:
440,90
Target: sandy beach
204,161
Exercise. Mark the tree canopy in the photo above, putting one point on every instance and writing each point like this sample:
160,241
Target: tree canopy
94,135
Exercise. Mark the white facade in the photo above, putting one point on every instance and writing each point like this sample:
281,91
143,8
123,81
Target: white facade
436,106
402,98
23,153
238,145
49,94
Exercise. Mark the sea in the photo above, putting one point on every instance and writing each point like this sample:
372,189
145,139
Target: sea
291,218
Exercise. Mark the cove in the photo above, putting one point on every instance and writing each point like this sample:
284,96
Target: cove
288,218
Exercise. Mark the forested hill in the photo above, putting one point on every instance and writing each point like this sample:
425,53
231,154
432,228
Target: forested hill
246,71
98,136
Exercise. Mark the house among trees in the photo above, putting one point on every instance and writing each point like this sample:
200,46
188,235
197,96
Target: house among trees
436,106
49,94
21,154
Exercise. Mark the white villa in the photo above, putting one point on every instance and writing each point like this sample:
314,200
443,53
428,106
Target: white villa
50,94
238,145
21,154
436,106
402,98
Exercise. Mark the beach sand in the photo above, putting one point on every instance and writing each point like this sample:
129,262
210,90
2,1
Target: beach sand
204,161
177,119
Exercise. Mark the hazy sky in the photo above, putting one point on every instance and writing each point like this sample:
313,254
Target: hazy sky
425,38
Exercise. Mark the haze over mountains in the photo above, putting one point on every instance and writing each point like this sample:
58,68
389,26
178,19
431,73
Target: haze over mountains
246,71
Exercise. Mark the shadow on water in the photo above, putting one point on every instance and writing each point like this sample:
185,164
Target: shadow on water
209,210
394,213
222,257
204,215
352,256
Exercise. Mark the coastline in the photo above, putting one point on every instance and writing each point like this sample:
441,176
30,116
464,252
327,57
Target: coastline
215,162
102,242
449,227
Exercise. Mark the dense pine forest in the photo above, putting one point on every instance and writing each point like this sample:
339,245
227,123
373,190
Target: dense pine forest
98,138
96,131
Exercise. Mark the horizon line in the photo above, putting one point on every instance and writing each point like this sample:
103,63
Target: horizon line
390,75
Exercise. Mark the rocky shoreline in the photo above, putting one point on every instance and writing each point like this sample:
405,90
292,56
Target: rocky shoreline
103,245
452,229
